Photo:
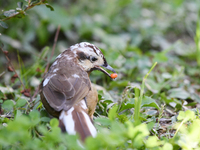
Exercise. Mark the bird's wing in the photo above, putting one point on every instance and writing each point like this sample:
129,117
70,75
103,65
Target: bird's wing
63,89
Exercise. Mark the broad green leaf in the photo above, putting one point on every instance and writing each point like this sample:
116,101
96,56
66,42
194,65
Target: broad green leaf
3,24
181,115
149,102
34,1
118,84
179,93
18,113
44,52
153,86
35,117
20,4
21,102
127,105
146,102
9,13
167,146
50,7
152,141
187,115
54,122
160,57
1,94
113,113
139,133
8,105
45,119
103,121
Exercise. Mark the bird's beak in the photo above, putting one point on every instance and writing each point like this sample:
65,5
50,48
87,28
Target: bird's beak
104,71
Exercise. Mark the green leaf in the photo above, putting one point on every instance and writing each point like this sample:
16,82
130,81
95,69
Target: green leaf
125,106
45,119
34,1
8,105
25,7
187,115
54,122
21,102
160,57
20,4
50,7
178,93
118,84
1,94
3,24
149,102
103,121
113,112
9,13
35,117
44,52
167,146
18,113
152,141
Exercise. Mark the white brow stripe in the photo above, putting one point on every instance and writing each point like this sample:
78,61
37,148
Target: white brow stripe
83,46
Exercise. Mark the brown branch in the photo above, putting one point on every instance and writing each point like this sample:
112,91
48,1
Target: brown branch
46,69
23,12
53,49
10,64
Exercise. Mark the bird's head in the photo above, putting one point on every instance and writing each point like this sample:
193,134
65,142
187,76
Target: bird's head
91,58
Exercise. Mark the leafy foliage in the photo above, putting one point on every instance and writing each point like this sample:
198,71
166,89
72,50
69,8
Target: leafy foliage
133,35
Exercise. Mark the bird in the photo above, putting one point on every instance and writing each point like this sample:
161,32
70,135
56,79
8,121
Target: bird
66,90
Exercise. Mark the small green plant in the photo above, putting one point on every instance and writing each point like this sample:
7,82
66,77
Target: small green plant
138,99
197,39
20,11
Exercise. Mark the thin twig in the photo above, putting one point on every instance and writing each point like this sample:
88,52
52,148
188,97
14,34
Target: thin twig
53,49
46,69
22,12
10,64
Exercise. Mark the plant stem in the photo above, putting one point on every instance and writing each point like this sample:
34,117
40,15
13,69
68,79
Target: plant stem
197,40
138,99
179,128
22,12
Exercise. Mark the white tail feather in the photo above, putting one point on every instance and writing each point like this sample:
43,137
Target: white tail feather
76,120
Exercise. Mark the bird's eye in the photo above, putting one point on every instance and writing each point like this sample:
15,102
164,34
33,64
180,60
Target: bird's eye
92,59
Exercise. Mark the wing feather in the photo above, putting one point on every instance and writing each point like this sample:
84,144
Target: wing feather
63,90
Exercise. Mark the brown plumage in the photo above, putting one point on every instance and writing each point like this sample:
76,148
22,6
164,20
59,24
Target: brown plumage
66,90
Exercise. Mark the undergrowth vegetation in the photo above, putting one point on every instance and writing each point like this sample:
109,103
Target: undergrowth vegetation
148,106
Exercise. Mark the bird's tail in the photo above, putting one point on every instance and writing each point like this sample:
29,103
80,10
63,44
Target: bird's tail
76,120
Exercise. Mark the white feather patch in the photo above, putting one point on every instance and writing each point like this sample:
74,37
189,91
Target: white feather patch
55,63
90,125
68,121
68,57
55,69
83,104
76,76
47,80
59,56
83,47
